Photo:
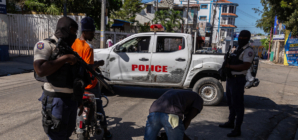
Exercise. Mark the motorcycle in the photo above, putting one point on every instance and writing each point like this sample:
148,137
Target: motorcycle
87,118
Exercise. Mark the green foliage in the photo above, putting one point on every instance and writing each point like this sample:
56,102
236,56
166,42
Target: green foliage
128,10
267,20
285,10
143,28
91,8
260,34
170,19
265,42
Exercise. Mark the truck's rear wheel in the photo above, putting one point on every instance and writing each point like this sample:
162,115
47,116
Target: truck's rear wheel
210,89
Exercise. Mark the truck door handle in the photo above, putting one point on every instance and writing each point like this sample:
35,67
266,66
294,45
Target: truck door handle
180,59
144,59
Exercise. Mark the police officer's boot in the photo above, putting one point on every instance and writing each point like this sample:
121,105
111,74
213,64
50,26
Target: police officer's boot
235,133
228,124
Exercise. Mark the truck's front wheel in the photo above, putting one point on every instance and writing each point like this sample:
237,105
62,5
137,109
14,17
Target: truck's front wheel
210,89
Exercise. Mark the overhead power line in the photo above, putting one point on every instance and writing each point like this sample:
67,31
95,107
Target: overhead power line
247,14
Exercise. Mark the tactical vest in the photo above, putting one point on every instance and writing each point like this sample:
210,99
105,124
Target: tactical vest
234,57
64,77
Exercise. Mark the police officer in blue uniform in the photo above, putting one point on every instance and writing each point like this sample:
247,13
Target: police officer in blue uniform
59,111
238,64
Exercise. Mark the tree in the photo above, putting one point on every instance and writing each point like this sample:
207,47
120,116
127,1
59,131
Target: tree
285,10
265,42
91,8
267,20
143,27
170,19
128,10
259,34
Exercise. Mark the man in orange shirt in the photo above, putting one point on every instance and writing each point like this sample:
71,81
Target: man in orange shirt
85,50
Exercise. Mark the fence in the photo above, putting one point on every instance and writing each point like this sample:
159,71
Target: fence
24,31
115,36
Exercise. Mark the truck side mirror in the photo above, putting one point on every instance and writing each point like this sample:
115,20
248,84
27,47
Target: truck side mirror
117,48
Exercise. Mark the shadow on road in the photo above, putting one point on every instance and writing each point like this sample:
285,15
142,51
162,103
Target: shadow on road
139,92
122,130
262,117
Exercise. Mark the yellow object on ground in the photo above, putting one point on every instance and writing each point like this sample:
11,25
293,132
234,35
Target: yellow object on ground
173,120
286,39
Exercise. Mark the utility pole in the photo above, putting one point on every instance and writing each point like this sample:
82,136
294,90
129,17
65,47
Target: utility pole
156,6
185,31
214,14
269,44
65,9
102,26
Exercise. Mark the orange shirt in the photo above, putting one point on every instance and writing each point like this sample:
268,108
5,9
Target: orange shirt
86,52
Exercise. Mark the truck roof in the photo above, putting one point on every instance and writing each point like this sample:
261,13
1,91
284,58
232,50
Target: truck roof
162,33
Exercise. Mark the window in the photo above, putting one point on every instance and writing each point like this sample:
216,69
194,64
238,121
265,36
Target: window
203,18
229,33
224,9
223,33
170,44
231,9
148,8
137,45
231,21
208,29
223,21
204,6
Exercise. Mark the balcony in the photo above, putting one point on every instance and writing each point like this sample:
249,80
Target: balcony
229,15
227,26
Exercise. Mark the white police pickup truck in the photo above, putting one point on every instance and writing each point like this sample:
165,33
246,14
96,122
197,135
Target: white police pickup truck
163,60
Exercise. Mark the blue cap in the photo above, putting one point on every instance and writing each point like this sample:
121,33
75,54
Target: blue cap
87,24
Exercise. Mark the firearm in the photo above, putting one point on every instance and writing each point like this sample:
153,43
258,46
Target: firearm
65,49
223,71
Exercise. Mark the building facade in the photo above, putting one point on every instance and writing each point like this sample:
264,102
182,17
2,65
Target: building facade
200,17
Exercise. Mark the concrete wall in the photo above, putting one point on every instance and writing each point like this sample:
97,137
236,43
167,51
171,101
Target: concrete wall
3,29
279,50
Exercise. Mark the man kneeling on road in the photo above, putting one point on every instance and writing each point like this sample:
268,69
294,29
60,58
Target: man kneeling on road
85,50
169,110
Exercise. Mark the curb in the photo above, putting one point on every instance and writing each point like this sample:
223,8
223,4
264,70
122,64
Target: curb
14,73
273,64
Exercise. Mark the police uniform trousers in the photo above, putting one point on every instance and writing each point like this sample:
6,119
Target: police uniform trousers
235,98
64,109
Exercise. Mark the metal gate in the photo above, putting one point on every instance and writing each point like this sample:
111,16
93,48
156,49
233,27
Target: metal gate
24,31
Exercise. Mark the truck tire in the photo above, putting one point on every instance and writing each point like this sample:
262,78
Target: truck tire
210,89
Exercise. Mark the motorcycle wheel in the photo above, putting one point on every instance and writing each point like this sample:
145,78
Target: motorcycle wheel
105,101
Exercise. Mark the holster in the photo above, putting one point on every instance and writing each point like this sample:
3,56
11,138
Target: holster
49,122
78,90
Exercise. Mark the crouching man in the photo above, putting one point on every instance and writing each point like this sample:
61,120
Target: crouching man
174,111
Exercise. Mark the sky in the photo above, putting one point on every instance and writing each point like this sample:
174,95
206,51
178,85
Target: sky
246,15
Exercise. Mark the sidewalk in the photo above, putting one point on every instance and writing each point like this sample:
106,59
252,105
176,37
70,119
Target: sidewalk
276,64
16,65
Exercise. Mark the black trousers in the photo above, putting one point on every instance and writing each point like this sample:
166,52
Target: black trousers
235,93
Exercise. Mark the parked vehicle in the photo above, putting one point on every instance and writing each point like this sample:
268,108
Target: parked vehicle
154,60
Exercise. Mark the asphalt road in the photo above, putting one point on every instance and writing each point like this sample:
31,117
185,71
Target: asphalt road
271,109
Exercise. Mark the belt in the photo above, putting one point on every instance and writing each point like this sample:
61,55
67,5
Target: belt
241,75
56,94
